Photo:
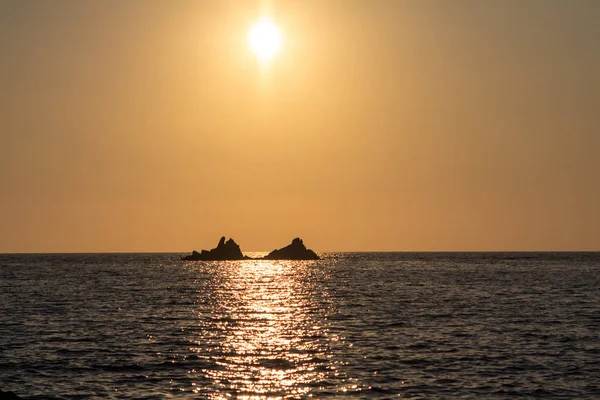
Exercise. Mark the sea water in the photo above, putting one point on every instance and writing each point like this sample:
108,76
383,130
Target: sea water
351,325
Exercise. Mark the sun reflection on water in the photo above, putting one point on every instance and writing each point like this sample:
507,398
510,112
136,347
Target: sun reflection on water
264,333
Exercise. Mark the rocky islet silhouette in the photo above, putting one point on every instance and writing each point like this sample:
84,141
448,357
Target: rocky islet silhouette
230,250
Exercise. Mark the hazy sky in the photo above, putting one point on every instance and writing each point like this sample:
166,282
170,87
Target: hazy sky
380,125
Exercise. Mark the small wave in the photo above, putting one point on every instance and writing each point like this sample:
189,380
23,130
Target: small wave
277,363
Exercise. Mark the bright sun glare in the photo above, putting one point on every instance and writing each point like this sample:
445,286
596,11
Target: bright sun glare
265,39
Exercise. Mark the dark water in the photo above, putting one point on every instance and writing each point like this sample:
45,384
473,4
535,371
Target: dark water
362,325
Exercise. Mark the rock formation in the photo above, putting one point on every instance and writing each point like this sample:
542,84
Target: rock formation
225,250
294,251
229,250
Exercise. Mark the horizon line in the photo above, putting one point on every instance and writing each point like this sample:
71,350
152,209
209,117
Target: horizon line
318,252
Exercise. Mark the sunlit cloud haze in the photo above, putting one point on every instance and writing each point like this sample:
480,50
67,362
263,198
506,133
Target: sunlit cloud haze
378,125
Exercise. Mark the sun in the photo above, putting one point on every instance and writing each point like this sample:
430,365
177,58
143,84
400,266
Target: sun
264,39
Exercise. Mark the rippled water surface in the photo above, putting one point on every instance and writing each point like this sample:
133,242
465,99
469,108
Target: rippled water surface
362,325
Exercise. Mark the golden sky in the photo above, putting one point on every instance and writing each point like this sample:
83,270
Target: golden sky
147,125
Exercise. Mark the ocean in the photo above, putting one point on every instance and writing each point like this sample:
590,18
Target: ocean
351,325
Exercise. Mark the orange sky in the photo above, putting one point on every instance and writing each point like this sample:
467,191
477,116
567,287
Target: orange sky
380,125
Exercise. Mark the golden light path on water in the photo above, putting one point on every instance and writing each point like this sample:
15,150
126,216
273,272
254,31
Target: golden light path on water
265,331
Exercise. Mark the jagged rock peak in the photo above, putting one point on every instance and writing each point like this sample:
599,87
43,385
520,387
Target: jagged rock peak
225,250
294,251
